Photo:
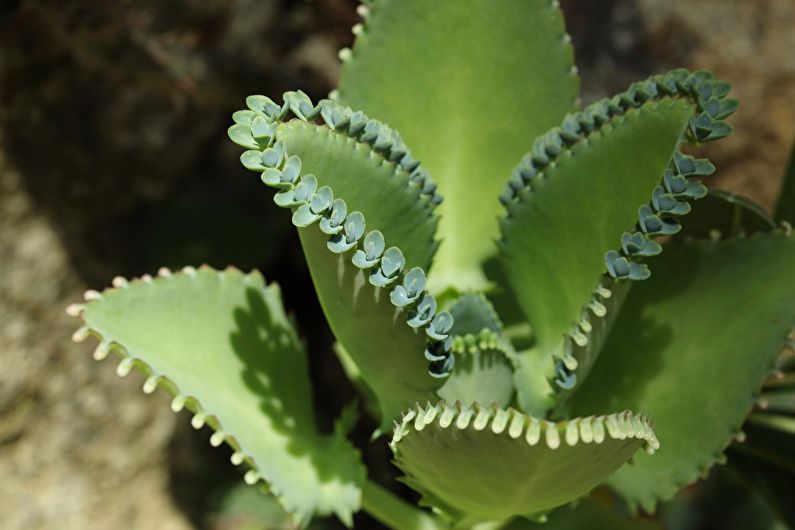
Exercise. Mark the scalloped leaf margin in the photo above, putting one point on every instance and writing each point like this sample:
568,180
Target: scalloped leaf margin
488,463
256,129
656,219
301,503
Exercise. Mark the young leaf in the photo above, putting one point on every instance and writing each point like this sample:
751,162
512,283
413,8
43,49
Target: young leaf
483,370
476,80
221,343
692,346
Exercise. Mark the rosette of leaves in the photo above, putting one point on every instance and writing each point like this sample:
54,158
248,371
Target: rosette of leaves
501,331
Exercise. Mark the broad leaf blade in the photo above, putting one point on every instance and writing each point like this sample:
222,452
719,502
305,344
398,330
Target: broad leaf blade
364,209
492,464
387,352
589,199
556,236
692,346
483,371
381,191
222,344
469,83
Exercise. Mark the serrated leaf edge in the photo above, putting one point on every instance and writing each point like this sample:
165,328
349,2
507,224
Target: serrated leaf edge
379,138
367,8
591,429
702,89
200,417
734,433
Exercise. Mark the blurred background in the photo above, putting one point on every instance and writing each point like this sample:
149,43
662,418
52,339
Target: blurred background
114,160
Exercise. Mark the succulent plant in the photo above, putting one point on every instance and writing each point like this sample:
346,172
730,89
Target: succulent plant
518,336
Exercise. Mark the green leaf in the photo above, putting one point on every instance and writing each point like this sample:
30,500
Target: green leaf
566,225
491,464
483,371
722,213
701,334
785,208
386,196
579,358
473,313
387,352
221,343
556,235
364,209
476,81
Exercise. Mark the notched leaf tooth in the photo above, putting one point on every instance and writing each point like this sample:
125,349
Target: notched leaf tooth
199,420
74,310
91,295
102,350
551,434
125,366
80,334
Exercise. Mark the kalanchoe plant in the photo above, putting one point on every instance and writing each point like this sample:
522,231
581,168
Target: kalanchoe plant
505,333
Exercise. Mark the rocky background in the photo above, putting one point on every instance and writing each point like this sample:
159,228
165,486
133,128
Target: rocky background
113,159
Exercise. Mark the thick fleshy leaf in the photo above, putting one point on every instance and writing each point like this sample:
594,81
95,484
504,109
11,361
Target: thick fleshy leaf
364,209
387,352
386,196
468,83
492,464
588,200
701,335
483,370
556,237
221,343
785,208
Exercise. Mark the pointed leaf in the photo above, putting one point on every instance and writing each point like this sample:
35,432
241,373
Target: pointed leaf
222,344
556,236
364,208
586,200
492,464
692,345
476,80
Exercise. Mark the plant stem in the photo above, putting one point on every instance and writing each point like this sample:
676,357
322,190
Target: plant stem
394,512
